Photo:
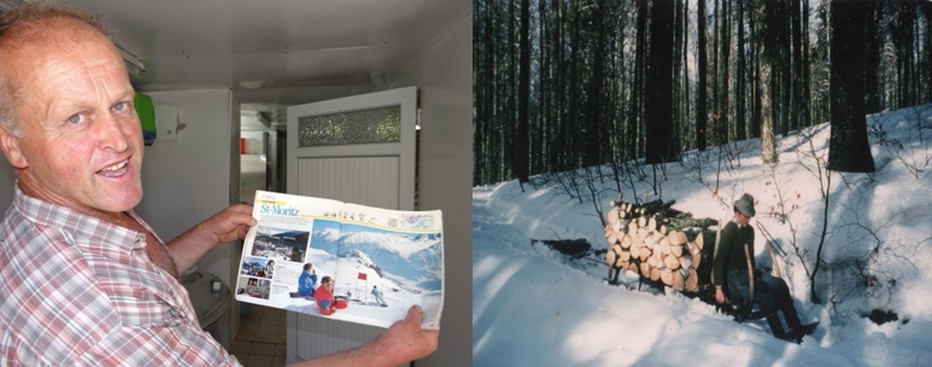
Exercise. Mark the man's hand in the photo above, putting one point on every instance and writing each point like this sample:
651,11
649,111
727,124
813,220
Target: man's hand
406,341
719,295
230,224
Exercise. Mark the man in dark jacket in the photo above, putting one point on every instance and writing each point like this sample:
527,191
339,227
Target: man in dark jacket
731,274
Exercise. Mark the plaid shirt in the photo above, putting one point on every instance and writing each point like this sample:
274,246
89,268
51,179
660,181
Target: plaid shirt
79,291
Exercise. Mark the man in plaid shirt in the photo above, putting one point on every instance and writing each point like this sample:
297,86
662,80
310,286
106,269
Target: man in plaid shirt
84,280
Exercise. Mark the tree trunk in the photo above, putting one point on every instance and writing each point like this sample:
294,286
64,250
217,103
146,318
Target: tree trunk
660,142
767,56
637,88
797,103
806,67
702,114
558,150
725,63
849,150
684,54
740,67
872,44
521,152
593,121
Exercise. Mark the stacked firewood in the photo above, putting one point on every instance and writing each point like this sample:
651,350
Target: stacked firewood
655,241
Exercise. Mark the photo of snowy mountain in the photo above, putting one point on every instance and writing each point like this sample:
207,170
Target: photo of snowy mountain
370,264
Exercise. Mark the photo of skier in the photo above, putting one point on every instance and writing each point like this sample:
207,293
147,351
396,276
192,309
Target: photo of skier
378,296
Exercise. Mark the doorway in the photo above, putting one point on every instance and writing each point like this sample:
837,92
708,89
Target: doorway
260,336
262,149
359,149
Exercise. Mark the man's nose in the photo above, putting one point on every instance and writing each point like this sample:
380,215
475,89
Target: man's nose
114,132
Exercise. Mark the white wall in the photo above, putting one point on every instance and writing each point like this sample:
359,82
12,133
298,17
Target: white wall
188,180
444,74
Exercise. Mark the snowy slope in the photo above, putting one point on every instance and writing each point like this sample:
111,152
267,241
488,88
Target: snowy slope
534,307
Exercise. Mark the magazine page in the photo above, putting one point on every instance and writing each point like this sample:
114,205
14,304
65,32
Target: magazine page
348,262
388,261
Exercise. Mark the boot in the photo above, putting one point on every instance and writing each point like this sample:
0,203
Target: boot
776,327
799,330
804,330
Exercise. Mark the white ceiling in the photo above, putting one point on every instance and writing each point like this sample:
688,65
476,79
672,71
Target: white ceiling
249,45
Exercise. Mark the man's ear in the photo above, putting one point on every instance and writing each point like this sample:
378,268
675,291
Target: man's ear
10,145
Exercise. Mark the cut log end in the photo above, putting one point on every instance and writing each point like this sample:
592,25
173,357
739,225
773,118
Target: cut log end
666,276
610,257
671,262
677,238
679,281
692,281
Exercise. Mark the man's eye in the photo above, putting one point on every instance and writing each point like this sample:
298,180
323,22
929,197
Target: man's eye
122,106
75,119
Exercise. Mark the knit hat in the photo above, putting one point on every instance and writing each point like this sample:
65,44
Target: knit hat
745,205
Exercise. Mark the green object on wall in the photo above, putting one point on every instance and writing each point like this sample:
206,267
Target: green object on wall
146,112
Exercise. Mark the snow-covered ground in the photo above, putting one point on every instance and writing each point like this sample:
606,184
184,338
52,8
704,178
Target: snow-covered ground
535,307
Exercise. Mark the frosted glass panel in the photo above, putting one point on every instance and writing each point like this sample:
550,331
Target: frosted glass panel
377,125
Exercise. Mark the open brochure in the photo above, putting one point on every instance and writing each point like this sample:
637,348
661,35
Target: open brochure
381,261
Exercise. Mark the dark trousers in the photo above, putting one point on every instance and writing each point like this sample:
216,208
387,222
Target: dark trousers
770,294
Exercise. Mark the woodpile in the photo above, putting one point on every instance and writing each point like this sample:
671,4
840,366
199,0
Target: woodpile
657,242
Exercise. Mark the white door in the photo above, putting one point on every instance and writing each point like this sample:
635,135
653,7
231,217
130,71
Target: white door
359,149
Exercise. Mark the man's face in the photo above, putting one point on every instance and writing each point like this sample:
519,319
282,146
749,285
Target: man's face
81,145
743,220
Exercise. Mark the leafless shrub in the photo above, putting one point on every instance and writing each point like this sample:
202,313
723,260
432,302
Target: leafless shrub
873,259
915,156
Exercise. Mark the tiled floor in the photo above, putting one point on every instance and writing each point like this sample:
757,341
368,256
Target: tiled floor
260,341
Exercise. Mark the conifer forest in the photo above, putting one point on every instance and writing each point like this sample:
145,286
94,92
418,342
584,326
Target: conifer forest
565,84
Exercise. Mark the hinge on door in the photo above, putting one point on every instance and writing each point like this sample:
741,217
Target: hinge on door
417,108
417,120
